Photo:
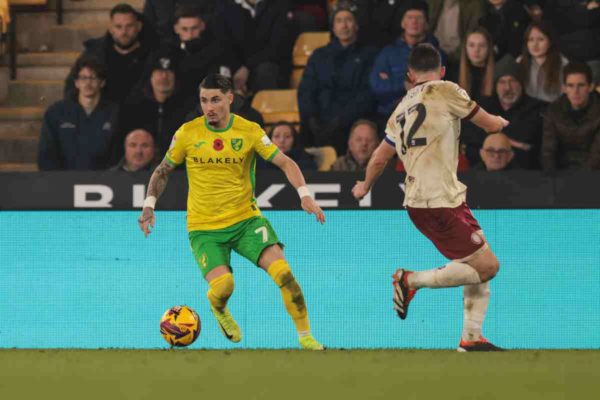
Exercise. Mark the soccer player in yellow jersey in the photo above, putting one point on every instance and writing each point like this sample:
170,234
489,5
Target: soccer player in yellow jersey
219,150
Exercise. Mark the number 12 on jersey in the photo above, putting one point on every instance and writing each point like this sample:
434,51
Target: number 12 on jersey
401,120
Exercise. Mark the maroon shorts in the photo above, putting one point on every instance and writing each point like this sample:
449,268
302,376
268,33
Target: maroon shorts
454,231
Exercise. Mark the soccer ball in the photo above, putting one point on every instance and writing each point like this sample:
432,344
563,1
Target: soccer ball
180,326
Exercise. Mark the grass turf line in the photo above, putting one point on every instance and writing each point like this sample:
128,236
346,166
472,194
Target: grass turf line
289,374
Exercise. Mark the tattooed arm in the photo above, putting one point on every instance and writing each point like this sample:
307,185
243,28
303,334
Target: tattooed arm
156,187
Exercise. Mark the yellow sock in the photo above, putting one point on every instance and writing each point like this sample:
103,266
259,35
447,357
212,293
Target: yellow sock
292,295
220,290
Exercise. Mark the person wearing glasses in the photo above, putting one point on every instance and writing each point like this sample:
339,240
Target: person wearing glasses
77,132
510,101
496,154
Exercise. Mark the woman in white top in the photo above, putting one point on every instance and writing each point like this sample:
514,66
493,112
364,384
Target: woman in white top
542,63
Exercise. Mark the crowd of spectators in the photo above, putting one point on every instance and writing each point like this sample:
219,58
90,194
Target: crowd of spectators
533,62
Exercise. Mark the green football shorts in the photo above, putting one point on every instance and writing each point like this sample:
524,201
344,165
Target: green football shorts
248,238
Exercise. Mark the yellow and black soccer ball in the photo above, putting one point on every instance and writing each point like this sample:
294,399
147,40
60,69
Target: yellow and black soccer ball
180,326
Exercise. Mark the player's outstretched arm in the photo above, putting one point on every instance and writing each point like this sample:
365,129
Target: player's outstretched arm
295,177
156,187
379,159
488,122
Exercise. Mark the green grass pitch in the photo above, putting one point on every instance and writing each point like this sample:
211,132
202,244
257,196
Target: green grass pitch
289,374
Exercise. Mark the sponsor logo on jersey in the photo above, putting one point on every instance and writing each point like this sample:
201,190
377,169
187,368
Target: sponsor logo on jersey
218,145
67,125
200,143
237,143
218,160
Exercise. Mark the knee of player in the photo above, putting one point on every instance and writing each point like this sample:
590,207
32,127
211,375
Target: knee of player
489,272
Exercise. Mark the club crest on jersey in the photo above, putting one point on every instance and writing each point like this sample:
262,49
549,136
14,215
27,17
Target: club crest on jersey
476,238
218,145
237,143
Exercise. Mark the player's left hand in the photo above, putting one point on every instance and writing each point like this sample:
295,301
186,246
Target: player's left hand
310,206
360,190
147,220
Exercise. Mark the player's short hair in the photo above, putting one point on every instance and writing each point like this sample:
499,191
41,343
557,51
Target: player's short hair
188,11
217,81
578,68
424,57
124,8
91,62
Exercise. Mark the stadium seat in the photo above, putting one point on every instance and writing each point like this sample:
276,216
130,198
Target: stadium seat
306,43
296,77
324,156
277,105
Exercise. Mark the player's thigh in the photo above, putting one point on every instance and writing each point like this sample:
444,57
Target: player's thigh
256,238
453,231
211,250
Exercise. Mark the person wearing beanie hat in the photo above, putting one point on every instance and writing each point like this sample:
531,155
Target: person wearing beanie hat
158,107
510,102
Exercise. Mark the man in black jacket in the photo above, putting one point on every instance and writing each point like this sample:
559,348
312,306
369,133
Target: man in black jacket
506,20
197,52
77,132
511,103
124,50
161,14
260,34
159,108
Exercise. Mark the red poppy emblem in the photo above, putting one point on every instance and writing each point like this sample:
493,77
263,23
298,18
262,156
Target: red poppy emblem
218,145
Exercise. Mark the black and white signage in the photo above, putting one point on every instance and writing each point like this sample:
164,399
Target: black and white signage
122,191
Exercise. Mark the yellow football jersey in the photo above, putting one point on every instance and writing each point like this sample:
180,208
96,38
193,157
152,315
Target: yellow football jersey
220,166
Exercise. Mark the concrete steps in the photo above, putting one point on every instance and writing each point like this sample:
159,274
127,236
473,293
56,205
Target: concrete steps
44,66
18,122
46,52
18,167
35,93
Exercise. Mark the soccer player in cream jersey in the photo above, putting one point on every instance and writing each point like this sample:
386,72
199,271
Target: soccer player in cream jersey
219,151
424,130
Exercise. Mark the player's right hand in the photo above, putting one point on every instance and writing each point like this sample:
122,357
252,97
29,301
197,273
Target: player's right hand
360,190
146,220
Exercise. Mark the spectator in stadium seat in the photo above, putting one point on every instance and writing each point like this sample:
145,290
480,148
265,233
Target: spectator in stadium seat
124,50
379,21
390,68
524,113
476,74
161,14
572,123
506,21
450,21
159,108
77,132
362,143
140,152
542,63
334,91
578,26
496,154
260,34
195,50
285,137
